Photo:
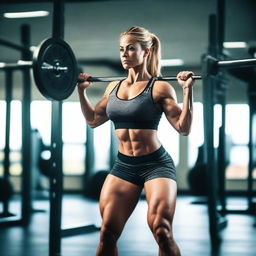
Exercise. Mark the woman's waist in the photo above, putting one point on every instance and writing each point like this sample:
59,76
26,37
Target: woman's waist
143,146
155,155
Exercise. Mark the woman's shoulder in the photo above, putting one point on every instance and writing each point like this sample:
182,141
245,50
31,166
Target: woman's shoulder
163,90
111,86
163,87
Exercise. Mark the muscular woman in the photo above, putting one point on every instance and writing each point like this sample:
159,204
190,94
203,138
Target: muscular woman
135,105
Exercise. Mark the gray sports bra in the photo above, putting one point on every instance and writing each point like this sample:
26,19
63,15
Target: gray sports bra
139,112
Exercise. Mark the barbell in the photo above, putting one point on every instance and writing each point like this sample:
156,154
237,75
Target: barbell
56,74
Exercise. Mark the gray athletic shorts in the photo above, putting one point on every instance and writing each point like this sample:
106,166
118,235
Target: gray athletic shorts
139,169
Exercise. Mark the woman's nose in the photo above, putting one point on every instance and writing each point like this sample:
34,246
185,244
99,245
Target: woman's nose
125,53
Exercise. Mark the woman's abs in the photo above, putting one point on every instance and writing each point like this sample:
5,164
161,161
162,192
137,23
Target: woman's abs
137,142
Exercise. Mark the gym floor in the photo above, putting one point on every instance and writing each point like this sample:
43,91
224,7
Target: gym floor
190,229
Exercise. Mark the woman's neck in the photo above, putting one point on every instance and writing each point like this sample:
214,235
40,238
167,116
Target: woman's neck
138,75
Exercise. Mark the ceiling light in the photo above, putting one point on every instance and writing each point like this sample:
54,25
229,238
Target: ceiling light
235,44
15,15
171,62
2,64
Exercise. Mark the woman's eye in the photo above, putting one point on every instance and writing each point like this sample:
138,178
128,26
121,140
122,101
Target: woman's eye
128,49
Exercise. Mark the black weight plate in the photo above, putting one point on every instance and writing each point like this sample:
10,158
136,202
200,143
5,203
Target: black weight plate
52,84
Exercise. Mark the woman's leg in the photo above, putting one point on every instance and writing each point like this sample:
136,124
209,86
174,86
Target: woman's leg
161,197
117,201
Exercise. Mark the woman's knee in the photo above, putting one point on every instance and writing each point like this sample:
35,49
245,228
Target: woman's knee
163,234
109,235
162,230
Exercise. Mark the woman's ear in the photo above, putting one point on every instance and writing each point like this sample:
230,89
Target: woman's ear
147,52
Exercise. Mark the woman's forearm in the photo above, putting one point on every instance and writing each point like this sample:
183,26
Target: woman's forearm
185,120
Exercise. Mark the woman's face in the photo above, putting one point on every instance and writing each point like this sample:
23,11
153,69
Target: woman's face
131,52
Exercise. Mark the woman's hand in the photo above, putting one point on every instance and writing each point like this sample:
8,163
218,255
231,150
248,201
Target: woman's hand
185,79
83,83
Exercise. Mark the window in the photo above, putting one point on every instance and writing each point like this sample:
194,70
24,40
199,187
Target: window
73,132
41,119
196,136
74,137
15,136
169,138
15,130
237,127
102,146
2,134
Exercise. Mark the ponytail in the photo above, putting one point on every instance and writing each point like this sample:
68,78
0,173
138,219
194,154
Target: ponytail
153,66
148,40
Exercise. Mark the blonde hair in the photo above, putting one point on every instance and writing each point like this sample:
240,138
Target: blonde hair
147,40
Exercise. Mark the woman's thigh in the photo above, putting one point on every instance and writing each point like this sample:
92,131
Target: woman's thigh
117,201
161,196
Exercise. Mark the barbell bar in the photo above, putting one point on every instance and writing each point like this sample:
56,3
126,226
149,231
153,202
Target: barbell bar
114,78
57,68
56,74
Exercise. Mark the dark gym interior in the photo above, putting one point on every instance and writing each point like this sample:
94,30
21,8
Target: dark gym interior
42,213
